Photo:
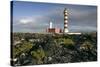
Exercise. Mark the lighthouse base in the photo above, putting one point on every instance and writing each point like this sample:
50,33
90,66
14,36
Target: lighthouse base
66,31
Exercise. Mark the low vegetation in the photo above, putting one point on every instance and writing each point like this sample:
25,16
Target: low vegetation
36,48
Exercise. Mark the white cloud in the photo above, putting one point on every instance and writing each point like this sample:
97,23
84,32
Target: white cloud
25,21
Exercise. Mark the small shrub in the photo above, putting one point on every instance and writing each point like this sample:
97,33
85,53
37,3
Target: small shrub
68,43
39,55
86,46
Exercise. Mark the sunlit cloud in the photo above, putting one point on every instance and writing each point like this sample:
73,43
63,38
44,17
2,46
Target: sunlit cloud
25,21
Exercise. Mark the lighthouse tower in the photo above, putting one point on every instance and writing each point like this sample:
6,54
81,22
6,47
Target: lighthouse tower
65,21
50,25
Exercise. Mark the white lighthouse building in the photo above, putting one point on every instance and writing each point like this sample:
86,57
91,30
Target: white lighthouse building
50,25
52,29
65,21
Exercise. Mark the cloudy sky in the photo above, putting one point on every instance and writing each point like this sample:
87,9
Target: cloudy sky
35,17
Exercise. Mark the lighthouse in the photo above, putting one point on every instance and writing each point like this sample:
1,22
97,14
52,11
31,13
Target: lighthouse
50,25
52,29
65,21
